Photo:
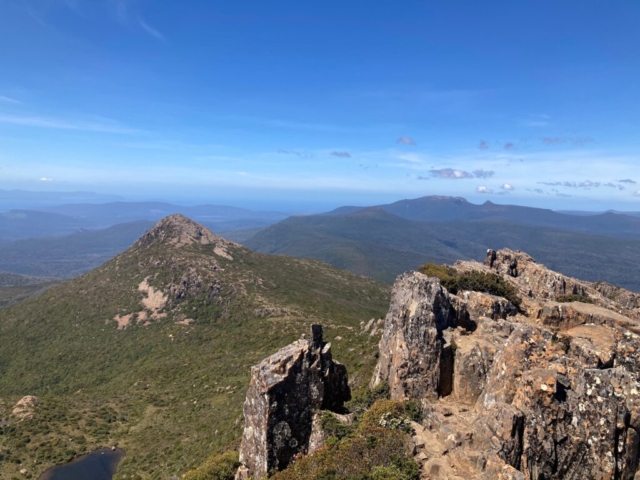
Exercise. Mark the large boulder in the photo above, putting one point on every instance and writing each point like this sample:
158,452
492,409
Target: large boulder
286,391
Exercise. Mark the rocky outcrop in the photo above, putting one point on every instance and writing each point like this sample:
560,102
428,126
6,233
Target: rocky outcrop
25,408
286,392
547,392
179,231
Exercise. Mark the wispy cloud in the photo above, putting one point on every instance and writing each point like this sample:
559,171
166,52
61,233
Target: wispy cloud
636,193
576,141
537,121
560,194
483,189
151,31
586,184
483,173
406,141
45,122
46,179
509,146
450,173
294,153
341,154
626,180
4,99
483,145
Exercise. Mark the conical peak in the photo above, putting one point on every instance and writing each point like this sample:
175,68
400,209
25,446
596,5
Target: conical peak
178,230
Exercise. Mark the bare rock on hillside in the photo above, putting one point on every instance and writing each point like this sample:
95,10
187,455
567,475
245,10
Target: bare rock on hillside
286,391
550,392
25,408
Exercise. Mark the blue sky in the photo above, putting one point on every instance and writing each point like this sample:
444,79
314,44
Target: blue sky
306,105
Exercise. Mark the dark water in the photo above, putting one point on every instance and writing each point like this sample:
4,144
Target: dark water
98,465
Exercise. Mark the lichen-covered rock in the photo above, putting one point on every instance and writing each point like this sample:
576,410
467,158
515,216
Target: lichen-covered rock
546,393
285,392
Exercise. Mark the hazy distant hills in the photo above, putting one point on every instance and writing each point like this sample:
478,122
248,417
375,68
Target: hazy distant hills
451,209
221,217
381,245
379,242
26,199
69,255
18,224
65,219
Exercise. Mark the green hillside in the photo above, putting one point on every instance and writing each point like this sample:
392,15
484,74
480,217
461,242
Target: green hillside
381,245
152,350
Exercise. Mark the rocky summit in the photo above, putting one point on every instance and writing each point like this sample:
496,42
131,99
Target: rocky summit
548,390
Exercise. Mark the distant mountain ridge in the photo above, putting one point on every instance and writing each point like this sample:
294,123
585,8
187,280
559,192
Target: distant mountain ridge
118,212
380,244
452,209
65,219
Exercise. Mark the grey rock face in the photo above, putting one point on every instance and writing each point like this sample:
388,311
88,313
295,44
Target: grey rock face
285,392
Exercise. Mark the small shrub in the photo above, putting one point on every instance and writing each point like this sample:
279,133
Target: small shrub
364,399
574,298
218,467
473,280
333,427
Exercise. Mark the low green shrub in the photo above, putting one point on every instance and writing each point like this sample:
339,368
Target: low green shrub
573,298
472,280
218,467
379,448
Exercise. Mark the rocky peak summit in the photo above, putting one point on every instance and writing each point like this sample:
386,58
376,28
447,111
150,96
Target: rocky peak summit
180,231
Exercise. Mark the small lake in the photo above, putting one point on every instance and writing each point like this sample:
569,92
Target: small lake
98,465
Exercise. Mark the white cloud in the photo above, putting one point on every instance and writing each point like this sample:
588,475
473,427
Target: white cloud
151,31
637,193
450,173
45,122
406,141
45,179
507,186
9,100
483,189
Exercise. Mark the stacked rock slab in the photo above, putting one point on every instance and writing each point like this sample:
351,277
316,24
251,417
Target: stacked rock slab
286,391
548,392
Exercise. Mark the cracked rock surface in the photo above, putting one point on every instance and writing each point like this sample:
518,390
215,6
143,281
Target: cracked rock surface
549,391
285,393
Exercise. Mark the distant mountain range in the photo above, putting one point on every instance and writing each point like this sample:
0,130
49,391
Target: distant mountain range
382,242
68,256
456,209
66,219
26,199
